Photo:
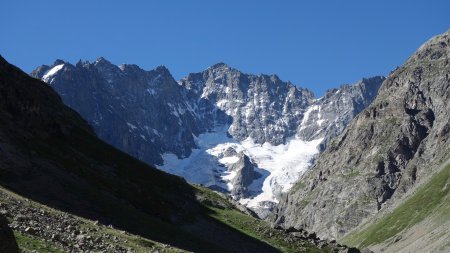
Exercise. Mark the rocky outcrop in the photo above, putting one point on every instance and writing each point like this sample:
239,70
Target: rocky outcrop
61,230
245,174
390,146
7,240
314,239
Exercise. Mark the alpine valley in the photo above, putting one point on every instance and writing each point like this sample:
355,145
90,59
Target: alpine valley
98,157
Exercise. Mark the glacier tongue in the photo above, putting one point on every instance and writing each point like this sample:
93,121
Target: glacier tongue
202,166
210,164
285,163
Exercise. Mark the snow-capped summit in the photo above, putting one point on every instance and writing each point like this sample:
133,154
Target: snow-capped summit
248,135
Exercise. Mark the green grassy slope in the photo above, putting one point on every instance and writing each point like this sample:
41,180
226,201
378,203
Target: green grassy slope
224,212
221,210
431,200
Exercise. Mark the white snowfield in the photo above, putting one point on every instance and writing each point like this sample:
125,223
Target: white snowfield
52,72
280,165
285,163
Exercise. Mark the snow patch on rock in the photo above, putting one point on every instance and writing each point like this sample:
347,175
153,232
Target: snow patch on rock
52,72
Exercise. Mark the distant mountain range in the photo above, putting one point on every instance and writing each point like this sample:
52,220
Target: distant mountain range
247,135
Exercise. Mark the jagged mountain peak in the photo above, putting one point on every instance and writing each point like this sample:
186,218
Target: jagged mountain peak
330,114
108,71
58,62
101,59
221,68
163,70
126,67
220,65
223,74
103,62
373,78
82,63
366,82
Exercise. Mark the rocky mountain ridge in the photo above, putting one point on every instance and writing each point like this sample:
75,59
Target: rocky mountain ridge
186,127
393,144
124,107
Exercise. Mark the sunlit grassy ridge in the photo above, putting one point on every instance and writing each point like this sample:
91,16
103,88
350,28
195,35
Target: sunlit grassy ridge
431,200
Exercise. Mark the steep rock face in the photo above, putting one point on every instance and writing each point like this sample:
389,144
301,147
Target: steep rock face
187,127
328,116
7,240
126,107
394,143
262,107
245,174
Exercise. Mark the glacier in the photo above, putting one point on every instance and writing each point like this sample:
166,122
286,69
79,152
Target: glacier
208,164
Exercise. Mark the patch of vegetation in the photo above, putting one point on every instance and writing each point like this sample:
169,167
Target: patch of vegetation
262,231
351,175
304,202
258,229
365,199
431,198
29,243
393,120
300,185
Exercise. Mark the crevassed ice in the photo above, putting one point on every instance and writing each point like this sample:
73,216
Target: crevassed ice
202,166
285,164
207,165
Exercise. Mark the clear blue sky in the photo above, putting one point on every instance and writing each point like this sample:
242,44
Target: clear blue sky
314,44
